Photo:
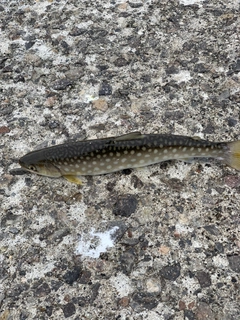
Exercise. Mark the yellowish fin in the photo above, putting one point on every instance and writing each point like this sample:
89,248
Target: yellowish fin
73,179
234,159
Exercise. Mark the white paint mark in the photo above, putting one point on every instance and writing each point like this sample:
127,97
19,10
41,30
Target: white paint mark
189,2
88,247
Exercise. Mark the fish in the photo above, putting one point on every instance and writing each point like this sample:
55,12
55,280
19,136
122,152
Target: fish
100,156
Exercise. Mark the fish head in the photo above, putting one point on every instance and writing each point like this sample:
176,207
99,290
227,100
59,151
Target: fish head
43,168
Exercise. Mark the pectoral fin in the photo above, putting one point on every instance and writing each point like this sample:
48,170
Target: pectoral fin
72,179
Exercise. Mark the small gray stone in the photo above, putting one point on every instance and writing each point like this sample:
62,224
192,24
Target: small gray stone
171,272
125,205
62,84
234,263
69,309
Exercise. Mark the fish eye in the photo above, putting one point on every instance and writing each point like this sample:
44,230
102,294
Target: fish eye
32,167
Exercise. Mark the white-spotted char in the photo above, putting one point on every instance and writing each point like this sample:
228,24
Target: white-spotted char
99,156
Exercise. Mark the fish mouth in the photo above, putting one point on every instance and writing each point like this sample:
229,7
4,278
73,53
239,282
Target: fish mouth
18,171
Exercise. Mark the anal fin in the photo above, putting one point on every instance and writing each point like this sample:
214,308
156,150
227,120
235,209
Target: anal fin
72,179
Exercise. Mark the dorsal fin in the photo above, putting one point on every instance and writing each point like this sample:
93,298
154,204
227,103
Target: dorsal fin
130,136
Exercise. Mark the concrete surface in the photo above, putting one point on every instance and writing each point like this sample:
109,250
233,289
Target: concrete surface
157,243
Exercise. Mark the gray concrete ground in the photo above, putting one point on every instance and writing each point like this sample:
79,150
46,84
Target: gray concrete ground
155,243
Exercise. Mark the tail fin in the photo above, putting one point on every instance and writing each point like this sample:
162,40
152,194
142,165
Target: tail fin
234,157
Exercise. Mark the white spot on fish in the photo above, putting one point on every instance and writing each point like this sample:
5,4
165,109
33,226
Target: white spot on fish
133,160
76,165
87,158
109,167
191,149
65,163
207,149
149,150
147,155
142,161
110,154
125,152
165,151
94,162
199,149
118,154
184,149
132,152
143,148
108,160
156,158
84,162
98,156
139,154
66,169
174,150
155,151
123,160
115,162
102,164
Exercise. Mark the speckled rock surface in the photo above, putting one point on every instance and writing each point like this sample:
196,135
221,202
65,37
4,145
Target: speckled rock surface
156,243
